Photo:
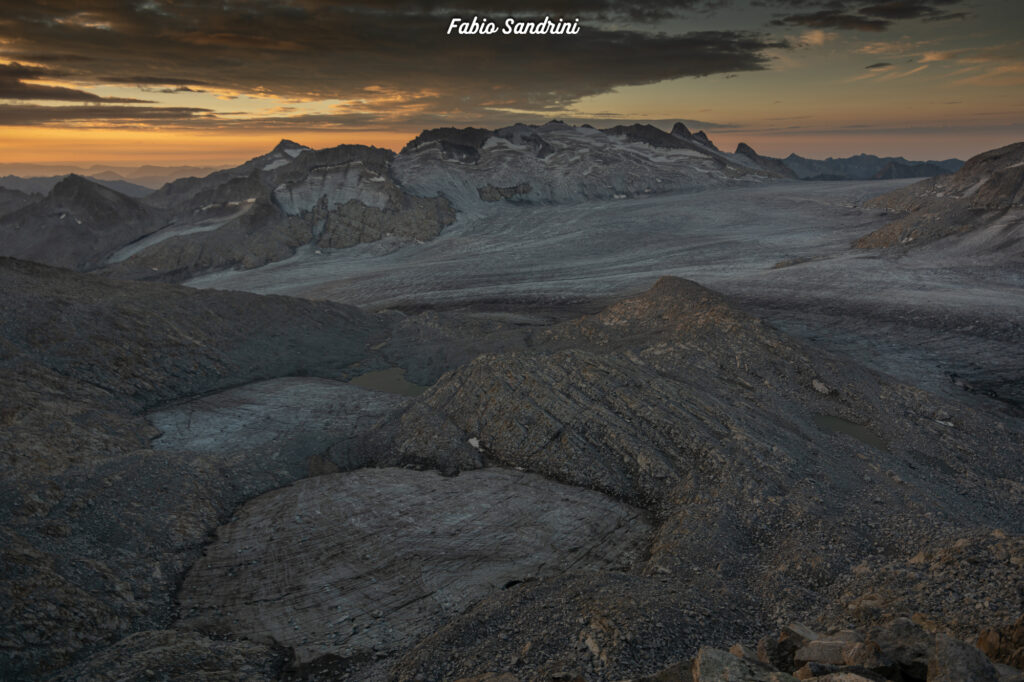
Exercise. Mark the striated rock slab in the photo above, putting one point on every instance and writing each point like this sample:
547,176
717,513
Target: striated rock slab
375,559
297,417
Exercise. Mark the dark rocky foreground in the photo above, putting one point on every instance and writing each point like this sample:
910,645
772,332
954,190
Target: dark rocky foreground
193,491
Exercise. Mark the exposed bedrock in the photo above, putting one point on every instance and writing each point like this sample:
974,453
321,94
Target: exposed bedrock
667,474
370,562
97,527
771,468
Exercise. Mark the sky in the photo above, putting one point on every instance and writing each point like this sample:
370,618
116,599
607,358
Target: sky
179,82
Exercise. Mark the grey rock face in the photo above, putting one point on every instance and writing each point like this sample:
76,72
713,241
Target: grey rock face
374,560
561,164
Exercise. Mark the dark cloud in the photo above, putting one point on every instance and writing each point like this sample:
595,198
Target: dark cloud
180,88
13,86
948,16
833,19
151,80
903,9
636,10
878,65
319,49
861,15
29,114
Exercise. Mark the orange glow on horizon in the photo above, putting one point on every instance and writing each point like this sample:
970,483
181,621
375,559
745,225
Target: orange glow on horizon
135,147
84,147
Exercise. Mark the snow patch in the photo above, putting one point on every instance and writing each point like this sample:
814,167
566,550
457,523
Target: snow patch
295,152
276,164
475,443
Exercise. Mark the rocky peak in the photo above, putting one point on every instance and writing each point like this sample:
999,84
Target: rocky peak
701,136
680,130
643,132
286,144
746,150
77,191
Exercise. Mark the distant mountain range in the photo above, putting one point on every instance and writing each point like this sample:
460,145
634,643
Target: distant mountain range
149,176
868,167
295,197
42,185
859,167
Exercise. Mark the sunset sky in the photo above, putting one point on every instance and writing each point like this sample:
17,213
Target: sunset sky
202,83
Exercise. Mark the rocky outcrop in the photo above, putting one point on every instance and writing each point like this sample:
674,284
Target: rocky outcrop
403,216
1004,643
986,196
899,651
77,225
974,573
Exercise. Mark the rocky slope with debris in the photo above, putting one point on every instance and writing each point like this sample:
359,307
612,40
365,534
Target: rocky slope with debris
900,650
984,201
